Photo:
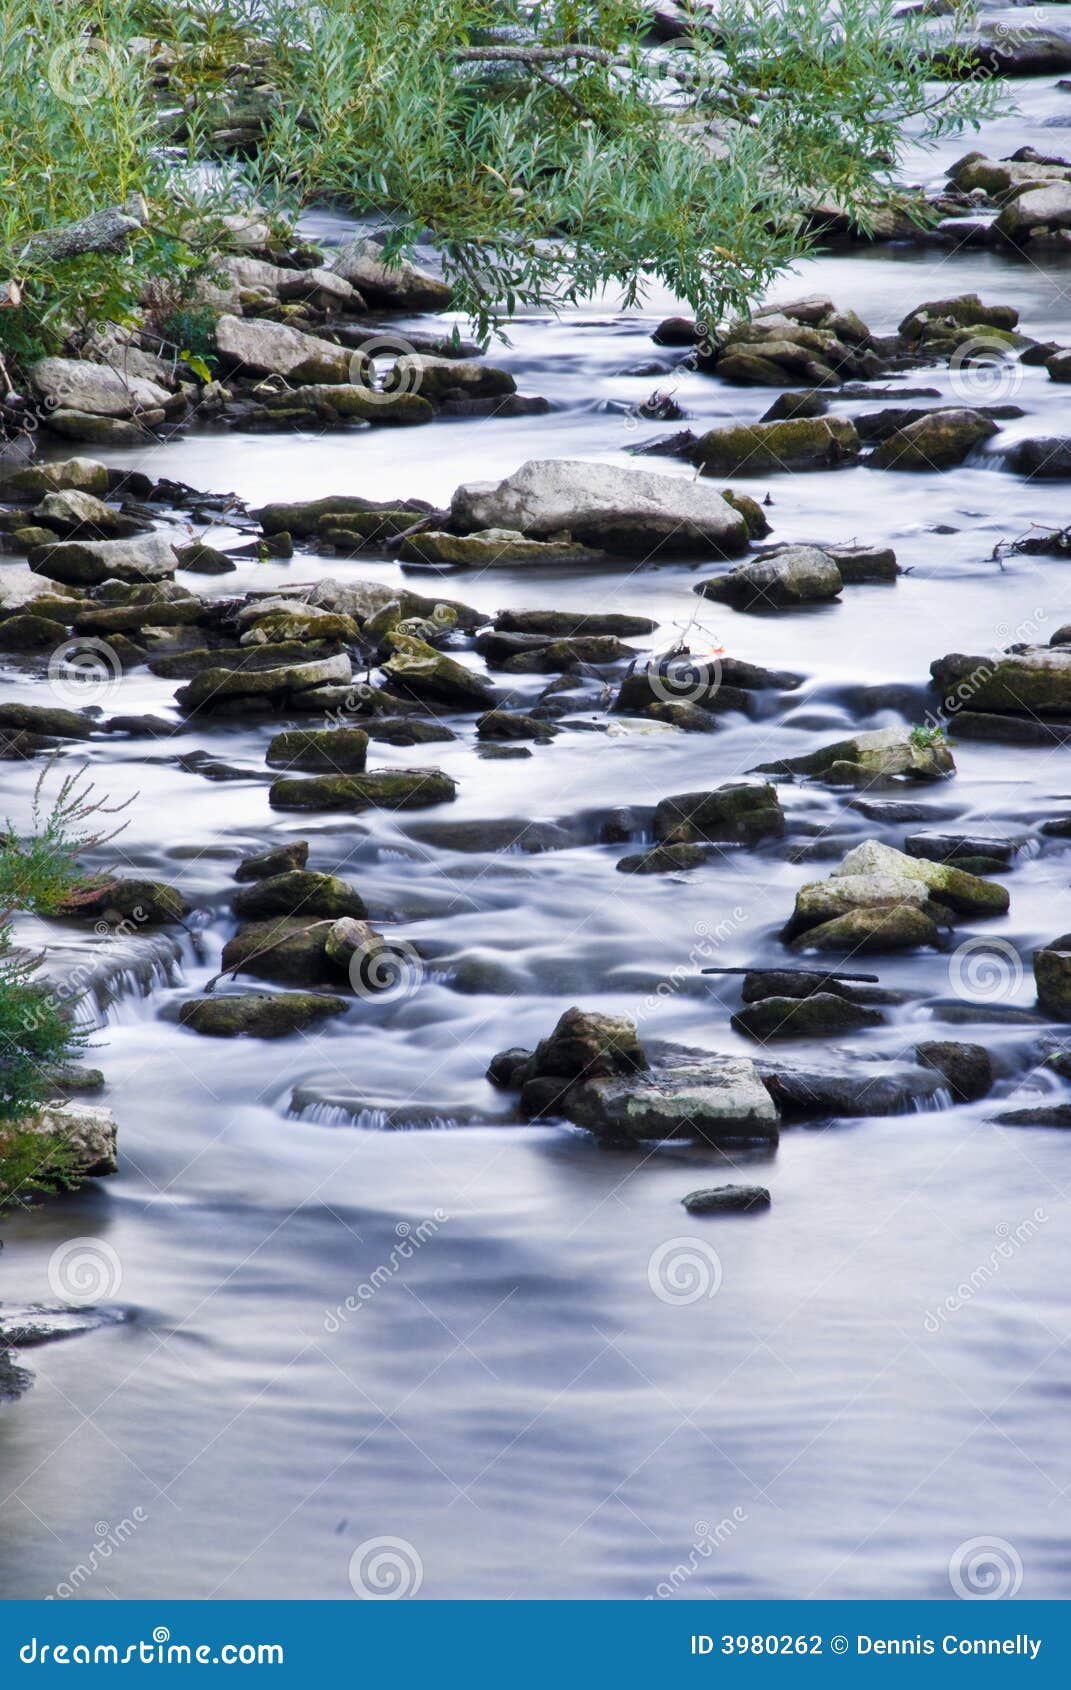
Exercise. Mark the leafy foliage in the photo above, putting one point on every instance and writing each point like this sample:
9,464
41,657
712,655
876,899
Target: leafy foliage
38,873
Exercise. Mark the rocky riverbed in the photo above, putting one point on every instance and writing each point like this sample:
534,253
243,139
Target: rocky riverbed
647,776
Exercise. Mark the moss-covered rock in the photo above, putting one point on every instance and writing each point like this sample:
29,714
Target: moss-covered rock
381,789
46,719
490,546
743,813
86,563
290,950
967,1068
511,725
820,1015
279,627
664,859
860,932
298,892
281,859
1052,976
419,670
769,448
145,903
218,688
34,481
868,759
1031,680
30,633
939,441
338,751
258,1015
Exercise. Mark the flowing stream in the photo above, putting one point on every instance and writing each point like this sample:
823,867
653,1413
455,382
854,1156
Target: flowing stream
508,1396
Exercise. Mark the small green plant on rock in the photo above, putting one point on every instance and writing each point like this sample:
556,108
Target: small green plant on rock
39,874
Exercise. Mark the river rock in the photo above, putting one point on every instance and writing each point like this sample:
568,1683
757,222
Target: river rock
31,633
664,859
45,719
871,759
84,1132
262,348
290,950
1030,680
339,751
721,1100
796,576
74,512
967,1068
819,1015
1036,210
937,441
624,511
420,671
965,310
1052,976
499,725
279,860
382,789
400,286
866,1089
769,448
258,1015
875,874
894,926
997,49
298,892
87,563
306,517
74,384
727,1199
741,813
35,481
562,624
448,378
1044,459
490,546
1036,1115
219,689
144,903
